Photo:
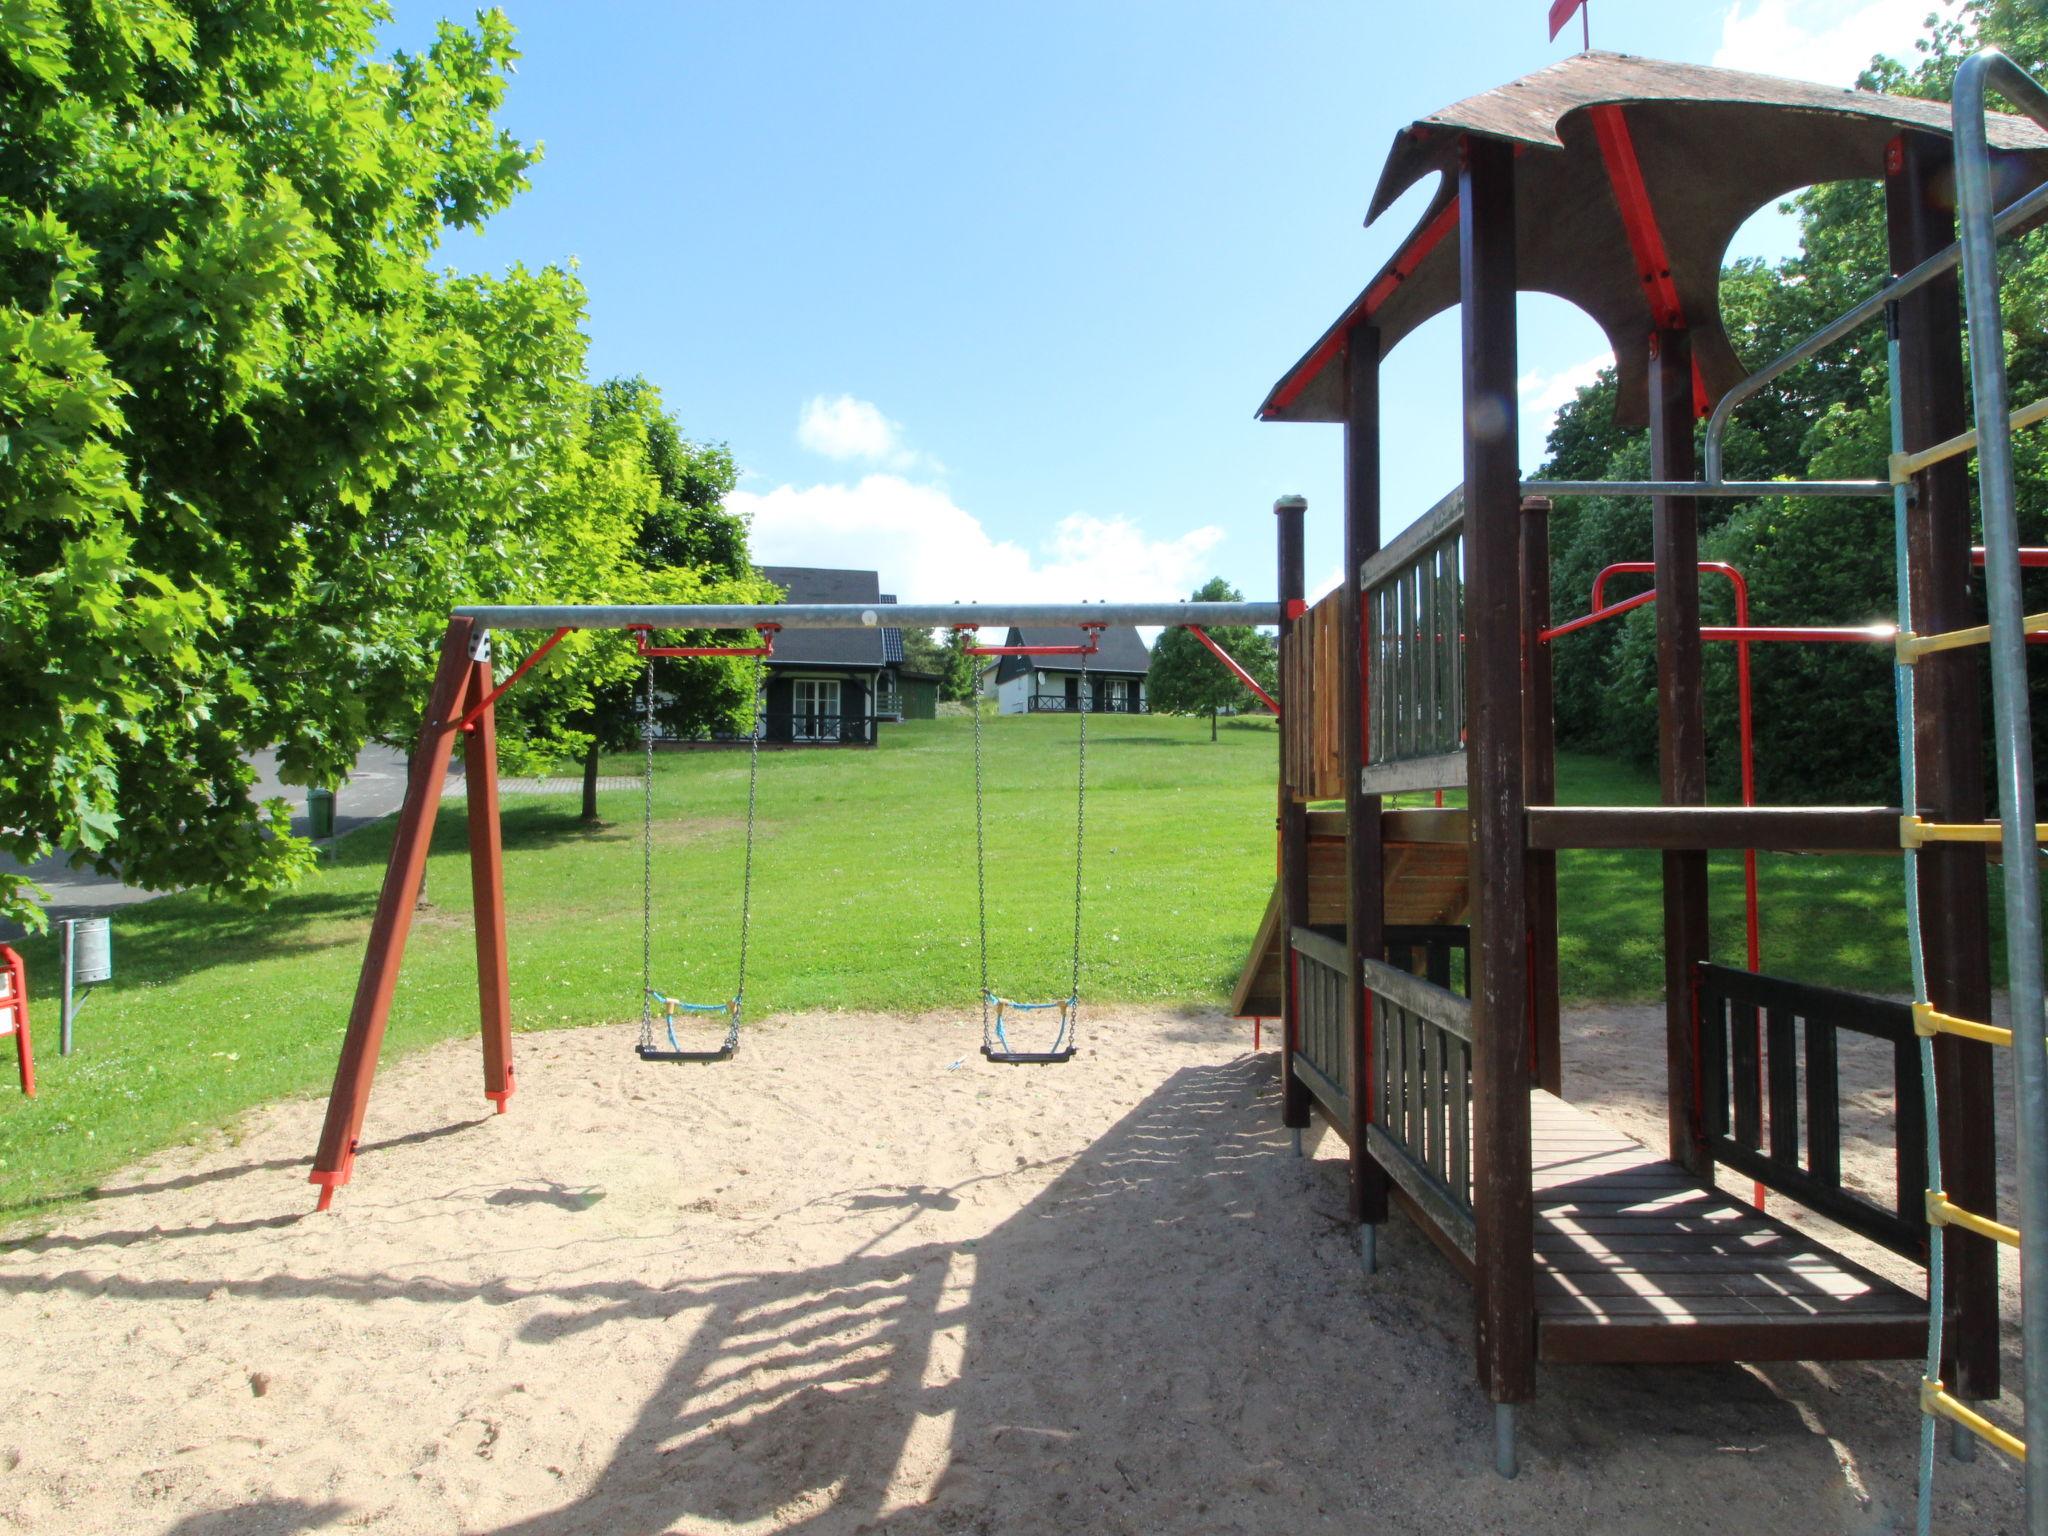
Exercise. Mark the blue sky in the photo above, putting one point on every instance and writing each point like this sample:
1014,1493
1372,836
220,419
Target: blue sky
984,295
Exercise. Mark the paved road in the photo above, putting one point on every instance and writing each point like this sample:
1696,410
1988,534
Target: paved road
375,789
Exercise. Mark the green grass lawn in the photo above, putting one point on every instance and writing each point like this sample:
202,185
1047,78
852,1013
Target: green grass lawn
864,898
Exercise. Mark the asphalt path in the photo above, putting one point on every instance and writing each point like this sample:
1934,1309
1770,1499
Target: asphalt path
375,789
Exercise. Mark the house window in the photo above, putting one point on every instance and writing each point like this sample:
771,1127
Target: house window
817,709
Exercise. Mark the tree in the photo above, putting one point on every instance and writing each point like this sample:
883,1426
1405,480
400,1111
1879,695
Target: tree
947,660
685,547
1186,679
253,446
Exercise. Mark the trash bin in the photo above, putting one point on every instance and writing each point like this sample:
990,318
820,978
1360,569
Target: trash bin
320,812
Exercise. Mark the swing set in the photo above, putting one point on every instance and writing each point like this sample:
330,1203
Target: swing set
462,704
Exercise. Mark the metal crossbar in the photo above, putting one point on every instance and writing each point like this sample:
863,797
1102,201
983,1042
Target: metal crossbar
865,615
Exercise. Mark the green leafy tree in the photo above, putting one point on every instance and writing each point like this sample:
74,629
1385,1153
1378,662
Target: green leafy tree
684,546
1186,679
946,659
253,446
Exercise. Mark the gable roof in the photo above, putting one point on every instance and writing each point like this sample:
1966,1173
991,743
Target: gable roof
1122,652
1709,146
828,647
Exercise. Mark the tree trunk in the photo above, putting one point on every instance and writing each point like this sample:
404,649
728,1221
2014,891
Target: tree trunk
590,783
1212,725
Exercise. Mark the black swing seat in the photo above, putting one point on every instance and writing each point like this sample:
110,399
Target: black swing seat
650,1053
1027,1058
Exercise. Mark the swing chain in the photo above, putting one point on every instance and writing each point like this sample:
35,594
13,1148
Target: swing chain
647,867
739,998
1073,1018
981,872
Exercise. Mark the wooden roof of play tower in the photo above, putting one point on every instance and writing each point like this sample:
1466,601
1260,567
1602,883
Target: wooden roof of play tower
1632,176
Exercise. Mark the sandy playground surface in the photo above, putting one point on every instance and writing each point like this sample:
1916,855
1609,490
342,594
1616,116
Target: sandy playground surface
843,1284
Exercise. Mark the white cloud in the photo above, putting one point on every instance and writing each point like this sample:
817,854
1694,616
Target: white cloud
845,428
929,549
1826,40
1543,394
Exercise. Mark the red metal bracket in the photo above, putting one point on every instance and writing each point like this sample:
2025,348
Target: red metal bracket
468,721
1239,672
768,632
1093,631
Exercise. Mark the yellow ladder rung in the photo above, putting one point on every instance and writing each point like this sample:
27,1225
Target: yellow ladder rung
1905,465
1912,647
1934,1400
1941,1213
1930,1021
1913,832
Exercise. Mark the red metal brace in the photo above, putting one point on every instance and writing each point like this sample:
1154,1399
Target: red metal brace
768,632
14,1015
1093,631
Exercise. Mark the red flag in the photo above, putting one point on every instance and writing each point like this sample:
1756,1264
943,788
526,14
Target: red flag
1560,13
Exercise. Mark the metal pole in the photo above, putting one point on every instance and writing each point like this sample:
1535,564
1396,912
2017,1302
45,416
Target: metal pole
69,949
1850,319
2010,730
865,615
1708,487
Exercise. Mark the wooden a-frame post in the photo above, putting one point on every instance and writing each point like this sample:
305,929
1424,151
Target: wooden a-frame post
461,682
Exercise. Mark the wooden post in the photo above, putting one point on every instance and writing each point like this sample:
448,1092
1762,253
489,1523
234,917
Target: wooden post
1506,1337
1955,923
393,921
1681,733
1539,765
1296,717
1364,858
487,885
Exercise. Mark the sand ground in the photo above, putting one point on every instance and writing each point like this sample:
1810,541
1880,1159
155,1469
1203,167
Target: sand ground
859,1281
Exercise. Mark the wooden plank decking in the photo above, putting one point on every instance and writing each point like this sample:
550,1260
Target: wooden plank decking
1635,1261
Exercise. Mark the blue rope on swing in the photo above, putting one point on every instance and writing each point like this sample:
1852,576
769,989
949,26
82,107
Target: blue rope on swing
671,1006
1003,1004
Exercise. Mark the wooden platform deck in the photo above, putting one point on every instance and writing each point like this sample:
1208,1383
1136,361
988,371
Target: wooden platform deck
1635,1261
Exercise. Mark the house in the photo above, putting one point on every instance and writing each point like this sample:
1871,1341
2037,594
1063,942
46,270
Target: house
835,686
1030,685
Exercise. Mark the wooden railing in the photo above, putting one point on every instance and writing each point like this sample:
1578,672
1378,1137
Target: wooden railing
1323,1059
1770,1047
1421,1130
1310,688
1414,594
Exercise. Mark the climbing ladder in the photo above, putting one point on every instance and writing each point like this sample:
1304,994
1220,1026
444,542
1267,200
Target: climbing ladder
2018,837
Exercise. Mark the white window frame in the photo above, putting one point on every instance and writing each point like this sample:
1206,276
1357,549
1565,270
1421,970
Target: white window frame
802,712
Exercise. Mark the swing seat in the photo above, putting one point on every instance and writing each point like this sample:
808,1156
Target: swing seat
670,1007
1005,1054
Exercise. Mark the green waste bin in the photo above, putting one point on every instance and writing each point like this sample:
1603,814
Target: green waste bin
320,812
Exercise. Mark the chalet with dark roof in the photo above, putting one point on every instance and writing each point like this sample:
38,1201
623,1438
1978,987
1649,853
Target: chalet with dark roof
836,687
1034,685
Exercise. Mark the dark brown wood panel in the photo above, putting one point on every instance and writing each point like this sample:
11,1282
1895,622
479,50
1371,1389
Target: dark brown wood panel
1788,829
1636,1261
